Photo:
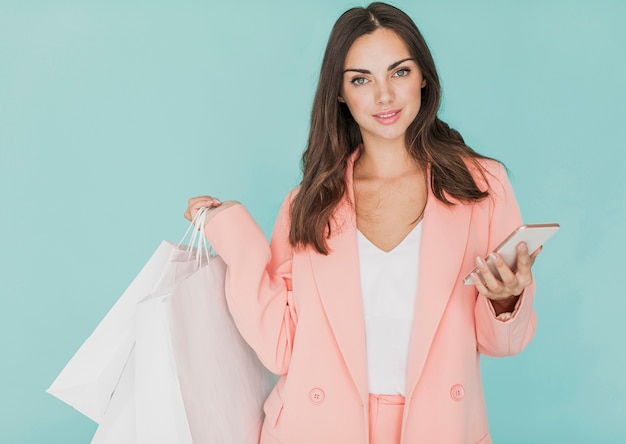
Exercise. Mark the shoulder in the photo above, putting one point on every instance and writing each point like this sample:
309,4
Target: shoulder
489,174
492,166
289,199
284,213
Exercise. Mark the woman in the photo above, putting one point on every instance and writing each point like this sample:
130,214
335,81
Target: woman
358,302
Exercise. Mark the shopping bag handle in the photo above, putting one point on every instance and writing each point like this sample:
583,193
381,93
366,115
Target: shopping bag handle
198,239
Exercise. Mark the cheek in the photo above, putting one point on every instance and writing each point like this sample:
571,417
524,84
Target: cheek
357,104
416,93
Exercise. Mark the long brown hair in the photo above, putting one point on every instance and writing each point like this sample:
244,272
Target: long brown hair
334,134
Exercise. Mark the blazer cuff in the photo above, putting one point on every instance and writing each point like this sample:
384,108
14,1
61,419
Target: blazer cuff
507,315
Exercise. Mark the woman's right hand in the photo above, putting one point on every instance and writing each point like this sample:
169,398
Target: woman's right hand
195,203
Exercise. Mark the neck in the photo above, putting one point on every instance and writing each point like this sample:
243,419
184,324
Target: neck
386,160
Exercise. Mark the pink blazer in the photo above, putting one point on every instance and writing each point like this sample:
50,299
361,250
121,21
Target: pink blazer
302,313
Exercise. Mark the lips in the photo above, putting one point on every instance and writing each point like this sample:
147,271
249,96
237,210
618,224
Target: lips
388,117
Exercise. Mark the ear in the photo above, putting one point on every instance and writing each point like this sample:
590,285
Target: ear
423,83
340,99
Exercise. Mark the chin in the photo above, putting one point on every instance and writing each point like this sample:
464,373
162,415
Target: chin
393,135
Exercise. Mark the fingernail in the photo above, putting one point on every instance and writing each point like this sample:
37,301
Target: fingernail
479,261
493,258
523,246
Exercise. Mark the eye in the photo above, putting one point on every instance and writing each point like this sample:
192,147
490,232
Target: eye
357,81
402,72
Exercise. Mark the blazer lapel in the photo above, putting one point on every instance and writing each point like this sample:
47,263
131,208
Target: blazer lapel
444,236
339,286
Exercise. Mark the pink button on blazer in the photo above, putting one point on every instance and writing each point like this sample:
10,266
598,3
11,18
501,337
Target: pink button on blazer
302,313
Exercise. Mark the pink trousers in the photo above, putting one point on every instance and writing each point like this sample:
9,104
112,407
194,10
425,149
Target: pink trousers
385,418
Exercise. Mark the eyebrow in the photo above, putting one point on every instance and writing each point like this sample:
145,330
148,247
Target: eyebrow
389,68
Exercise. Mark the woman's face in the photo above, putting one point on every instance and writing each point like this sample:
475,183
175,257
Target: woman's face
382,86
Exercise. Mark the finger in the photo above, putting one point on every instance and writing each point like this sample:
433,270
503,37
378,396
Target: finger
489,280
536,253
524,260
480,286
512,283
524,263
200,201
195,203
507,276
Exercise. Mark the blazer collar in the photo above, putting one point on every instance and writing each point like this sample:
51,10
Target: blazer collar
444,236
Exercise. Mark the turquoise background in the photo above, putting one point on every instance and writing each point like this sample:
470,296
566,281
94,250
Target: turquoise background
113,113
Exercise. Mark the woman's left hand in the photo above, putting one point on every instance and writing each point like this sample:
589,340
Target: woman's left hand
511,284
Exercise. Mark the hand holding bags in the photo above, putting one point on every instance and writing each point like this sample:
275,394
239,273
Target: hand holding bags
190,375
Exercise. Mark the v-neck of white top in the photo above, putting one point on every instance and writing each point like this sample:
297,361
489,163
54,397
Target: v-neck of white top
389,289
415,232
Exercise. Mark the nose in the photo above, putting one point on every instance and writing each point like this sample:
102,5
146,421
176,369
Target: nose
384,92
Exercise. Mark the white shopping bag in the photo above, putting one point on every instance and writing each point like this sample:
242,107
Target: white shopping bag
90,377
196,380
167,363
118,422
145,406
159,409
223,383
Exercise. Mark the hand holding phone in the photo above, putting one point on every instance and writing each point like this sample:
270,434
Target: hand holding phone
535,235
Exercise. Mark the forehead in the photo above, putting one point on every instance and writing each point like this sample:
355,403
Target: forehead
382,47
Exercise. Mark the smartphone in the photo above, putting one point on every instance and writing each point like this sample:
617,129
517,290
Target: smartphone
535,235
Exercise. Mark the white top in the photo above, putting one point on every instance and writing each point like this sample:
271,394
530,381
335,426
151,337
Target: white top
389,288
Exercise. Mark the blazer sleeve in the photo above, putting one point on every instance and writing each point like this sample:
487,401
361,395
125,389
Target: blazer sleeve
496,337
258,281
